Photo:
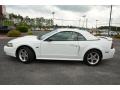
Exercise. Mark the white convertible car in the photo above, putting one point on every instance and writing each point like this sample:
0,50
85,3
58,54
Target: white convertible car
62,44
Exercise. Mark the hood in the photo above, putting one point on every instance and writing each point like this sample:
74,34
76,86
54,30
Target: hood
25,39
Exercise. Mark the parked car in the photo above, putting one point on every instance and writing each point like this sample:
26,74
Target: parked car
6,29
62,44
113,33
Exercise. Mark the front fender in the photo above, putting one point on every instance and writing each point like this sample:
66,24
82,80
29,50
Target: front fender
34,47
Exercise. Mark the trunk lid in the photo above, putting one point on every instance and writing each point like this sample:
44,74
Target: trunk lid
104,37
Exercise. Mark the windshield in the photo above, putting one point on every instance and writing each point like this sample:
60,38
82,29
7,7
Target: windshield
41,37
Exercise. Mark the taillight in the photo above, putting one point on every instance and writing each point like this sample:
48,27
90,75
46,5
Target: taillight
112,46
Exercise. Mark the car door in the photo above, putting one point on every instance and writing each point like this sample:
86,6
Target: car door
64,44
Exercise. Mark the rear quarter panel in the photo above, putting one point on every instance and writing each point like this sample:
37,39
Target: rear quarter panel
102,45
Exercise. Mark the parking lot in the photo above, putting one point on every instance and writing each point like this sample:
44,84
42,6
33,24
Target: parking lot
45,72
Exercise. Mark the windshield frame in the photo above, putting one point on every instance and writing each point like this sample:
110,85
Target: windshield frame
43,37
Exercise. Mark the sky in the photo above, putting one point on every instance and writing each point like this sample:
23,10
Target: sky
70,14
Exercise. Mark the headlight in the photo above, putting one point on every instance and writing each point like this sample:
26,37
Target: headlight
9,44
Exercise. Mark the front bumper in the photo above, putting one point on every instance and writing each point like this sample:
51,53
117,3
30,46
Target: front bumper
110,54
10,51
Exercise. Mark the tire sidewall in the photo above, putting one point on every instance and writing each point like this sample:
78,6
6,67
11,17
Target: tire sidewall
31,55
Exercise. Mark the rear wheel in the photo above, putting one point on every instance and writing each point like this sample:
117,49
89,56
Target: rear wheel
25,55
92,57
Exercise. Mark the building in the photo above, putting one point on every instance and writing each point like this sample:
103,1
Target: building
1,14
2,11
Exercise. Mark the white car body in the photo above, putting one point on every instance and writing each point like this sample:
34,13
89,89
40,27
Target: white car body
63,50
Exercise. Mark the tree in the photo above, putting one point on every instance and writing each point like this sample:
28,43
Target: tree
113,28
31,22
8,23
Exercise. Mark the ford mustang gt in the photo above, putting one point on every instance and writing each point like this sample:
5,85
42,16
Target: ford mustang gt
62,44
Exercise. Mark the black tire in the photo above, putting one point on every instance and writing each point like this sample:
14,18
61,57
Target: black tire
30,53
86,57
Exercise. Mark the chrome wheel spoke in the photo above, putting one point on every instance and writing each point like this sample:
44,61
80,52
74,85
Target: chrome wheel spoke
89,58
23,55
93,58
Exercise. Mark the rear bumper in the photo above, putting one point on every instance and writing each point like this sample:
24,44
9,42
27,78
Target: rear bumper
109,54
10,51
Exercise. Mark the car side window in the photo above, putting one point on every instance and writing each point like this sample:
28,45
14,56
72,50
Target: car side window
61,36
80,37
66,36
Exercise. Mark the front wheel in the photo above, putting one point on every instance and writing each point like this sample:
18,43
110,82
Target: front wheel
25,55
92,57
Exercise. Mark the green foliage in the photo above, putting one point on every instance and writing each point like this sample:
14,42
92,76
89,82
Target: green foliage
28,22
23,24
22,28
8,23
11,15
13,33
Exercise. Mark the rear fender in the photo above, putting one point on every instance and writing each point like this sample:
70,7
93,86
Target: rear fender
90,48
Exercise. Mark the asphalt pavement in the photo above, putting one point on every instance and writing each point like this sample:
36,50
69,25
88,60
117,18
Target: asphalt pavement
46,72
